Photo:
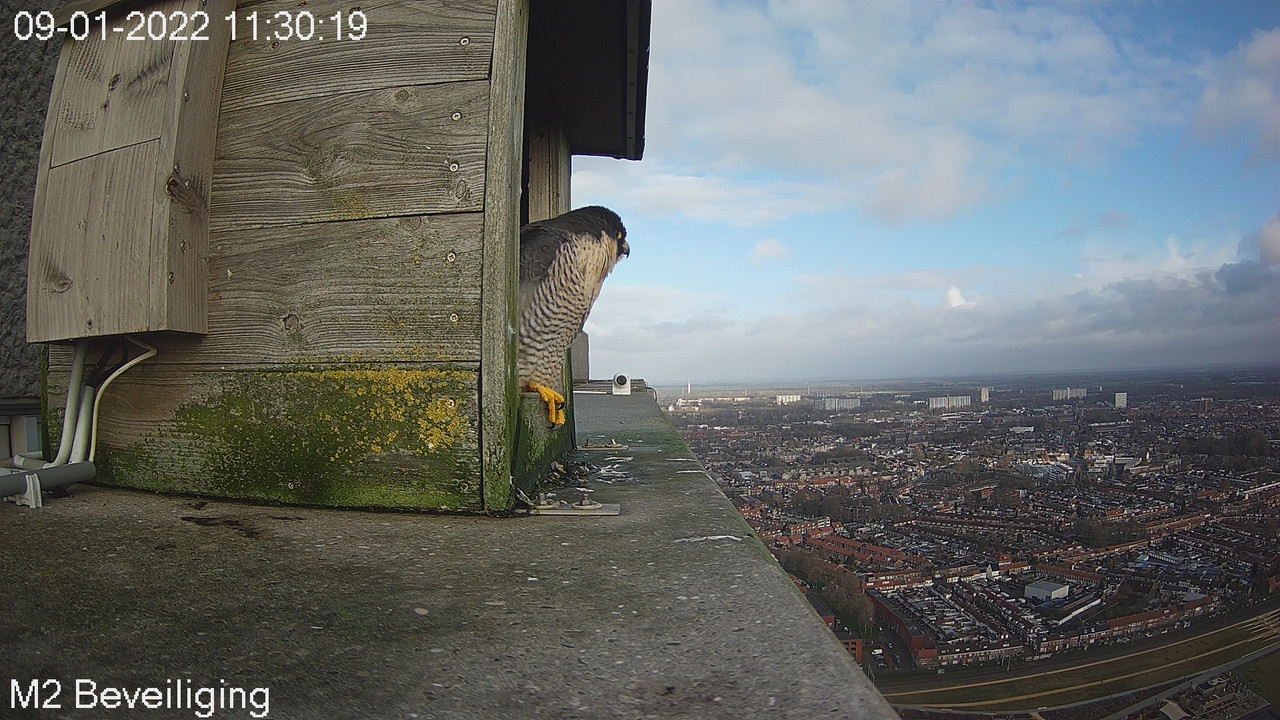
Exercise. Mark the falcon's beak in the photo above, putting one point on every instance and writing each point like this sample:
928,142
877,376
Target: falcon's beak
624,250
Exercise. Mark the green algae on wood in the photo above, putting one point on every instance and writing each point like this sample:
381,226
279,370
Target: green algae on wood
538,444
367,437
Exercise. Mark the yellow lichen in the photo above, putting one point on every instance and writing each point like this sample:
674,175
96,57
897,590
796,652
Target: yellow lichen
393,398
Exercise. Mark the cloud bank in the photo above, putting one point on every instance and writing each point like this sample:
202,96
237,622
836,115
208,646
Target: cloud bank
869,189
1193,315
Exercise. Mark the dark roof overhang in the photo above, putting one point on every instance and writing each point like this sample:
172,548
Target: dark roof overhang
588,67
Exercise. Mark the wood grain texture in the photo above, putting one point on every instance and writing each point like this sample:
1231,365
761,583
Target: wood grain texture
410,150
179,287
372,289
40,268
408,42
384,290
114,91
89,269
499,396
549,169
121,224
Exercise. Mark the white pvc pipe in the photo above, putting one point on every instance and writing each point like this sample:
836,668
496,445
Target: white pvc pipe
80,424
31,461
81,445
50,478
150,353
71,416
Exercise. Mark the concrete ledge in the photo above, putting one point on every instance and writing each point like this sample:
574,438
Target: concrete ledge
669,610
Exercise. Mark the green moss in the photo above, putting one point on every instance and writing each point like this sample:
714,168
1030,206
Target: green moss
369,437
537,444
118,466
45,442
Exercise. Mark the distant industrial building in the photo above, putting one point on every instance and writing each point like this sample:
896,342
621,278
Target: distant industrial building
787,399
1046,590
1070,394
835,404
1122,401
1204,404
948,402
984,394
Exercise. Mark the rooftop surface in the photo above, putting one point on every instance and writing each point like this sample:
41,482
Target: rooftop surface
670,609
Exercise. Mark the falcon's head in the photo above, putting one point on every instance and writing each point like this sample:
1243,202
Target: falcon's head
600,222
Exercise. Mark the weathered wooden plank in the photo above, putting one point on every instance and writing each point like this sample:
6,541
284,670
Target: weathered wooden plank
407,42
374,289
367,435
113,91
385,290
498,393
120,227
179,287
41,322
550,167
89,269
391,290
399,289
398,151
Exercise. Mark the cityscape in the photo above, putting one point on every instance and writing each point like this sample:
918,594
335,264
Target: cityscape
1007,524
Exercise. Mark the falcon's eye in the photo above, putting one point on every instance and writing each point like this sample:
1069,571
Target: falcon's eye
621,235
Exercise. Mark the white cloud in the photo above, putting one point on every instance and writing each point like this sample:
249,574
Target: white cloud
1188,315
938,191
1107,264
1242,94
643,319
651,188
828,290
918,112
955,299
769,250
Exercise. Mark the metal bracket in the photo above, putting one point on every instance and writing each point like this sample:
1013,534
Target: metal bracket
31,497
565,508
585,506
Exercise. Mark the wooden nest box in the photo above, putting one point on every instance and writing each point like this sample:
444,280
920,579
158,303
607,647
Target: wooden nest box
320,234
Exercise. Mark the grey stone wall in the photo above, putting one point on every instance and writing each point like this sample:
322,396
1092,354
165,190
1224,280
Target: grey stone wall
26,76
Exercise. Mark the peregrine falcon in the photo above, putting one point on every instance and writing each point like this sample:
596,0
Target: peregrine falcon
563,263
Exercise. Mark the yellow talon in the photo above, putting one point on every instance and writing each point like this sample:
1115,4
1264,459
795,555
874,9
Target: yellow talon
554,401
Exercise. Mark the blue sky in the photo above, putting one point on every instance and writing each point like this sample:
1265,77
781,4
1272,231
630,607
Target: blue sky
845,190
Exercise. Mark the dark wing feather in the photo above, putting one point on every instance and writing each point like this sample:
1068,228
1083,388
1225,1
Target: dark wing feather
539,243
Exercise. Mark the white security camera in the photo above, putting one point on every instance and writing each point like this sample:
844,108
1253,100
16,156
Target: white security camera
621,385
